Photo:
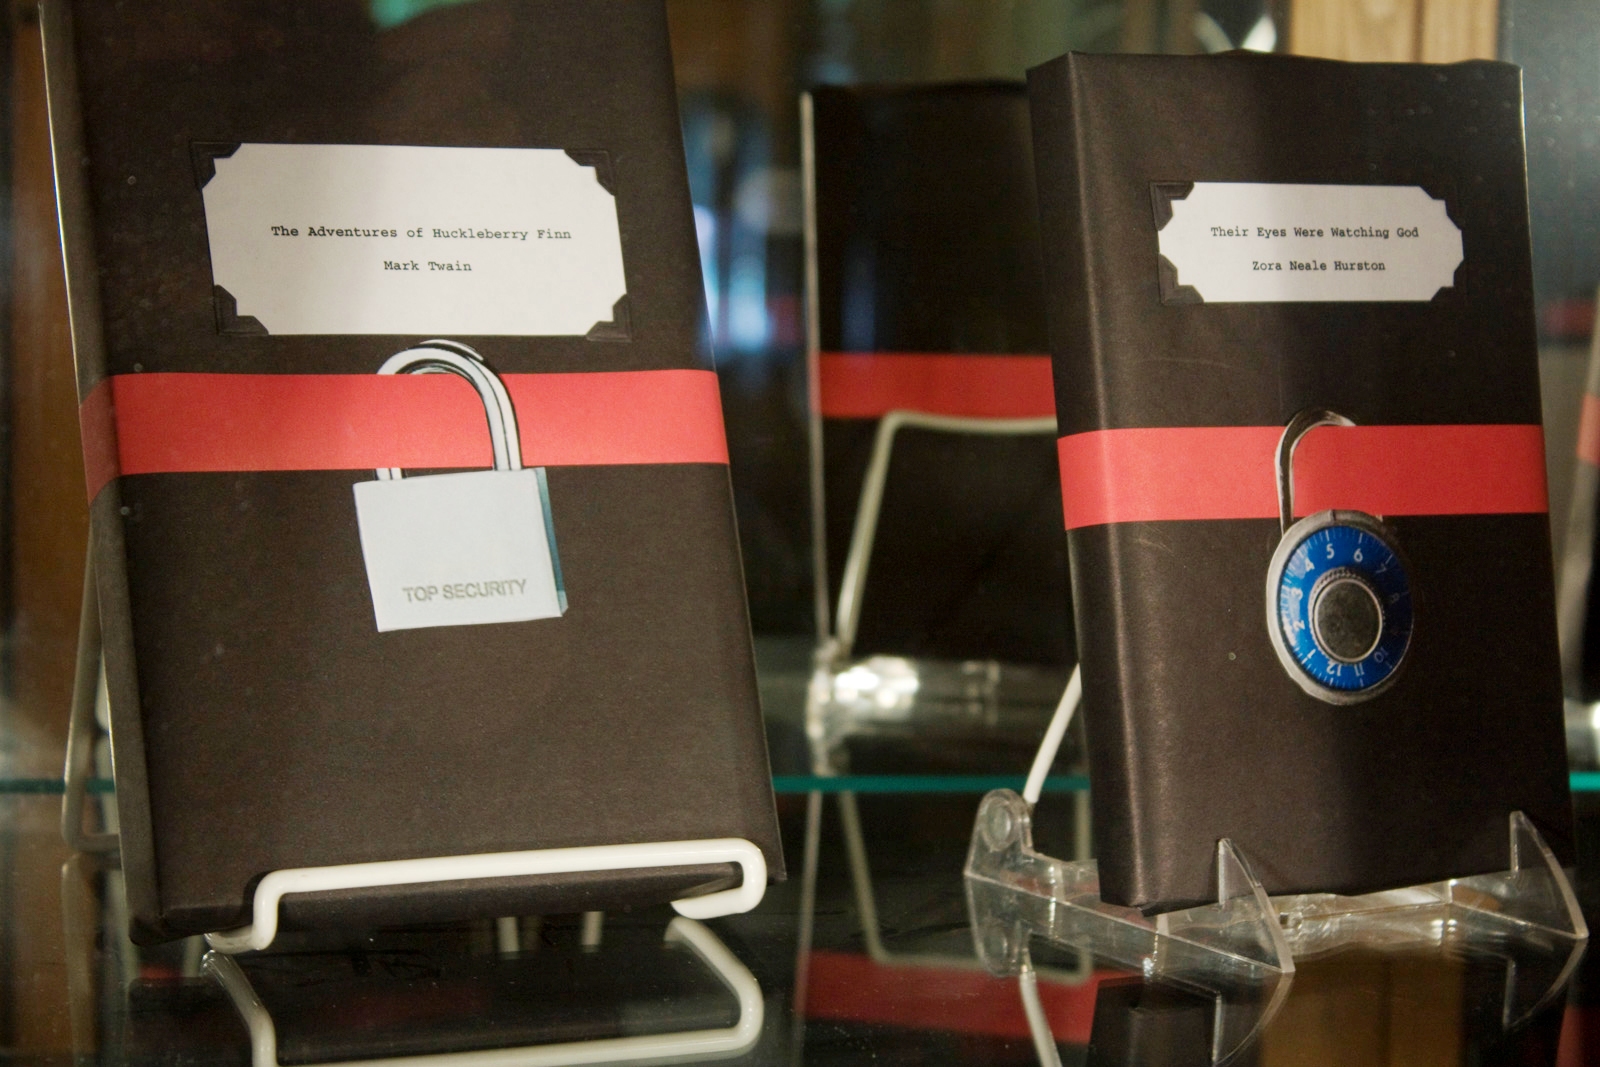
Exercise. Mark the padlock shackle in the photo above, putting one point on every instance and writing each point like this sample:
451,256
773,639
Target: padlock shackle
452,357
1298,427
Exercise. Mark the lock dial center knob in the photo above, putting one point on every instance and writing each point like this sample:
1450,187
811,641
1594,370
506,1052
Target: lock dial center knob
1339,605
1346,617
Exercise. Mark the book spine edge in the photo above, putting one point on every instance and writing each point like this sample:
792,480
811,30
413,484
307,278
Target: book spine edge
1078,366
106,544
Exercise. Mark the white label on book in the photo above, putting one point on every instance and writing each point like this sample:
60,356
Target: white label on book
394,239
1252,242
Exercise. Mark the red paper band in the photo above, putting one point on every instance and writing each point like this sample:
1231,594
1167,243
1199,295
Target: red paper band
864,385
1589,431
184,423
1158,475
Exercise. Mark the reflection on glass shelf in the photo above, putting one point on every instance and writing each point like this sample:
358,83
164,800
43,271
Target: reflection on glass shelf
899,716
840,987
502,1001
1366,1006
553,994
920,700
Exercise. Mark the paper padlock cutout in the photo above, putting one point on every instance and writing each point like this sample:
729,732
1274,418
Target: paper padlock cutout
461,549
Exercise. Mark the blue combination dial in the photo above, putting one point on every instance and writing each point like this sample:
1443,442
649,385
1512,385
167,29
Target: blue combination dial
1343,605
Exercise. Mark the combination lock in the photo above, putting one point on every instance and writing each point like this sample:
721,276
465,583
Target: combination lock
1339,598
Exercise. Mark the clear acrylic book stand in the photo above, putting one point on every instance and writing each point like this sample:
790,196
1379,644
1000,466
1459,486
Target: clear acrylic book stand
89,688
1534,972
1003,922
1247,934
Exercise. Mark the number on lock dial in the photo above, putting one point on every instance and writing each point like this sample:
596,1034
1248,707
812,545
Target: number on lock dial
1344,607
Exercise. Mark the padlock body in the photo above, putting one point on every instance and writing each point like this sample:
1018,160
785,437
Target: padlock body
459,549
1330,555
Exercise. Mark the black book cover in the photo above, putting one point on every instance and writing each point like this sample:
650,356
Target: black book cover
929,297
1397,757
261,719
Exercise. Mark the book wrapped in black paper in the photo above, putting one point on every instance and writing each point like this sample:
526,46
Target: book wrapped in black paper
928,300
253,187
1231,242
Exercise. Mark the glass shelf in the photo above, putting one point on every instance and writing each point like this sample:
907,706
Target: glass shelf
791,784
869,953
